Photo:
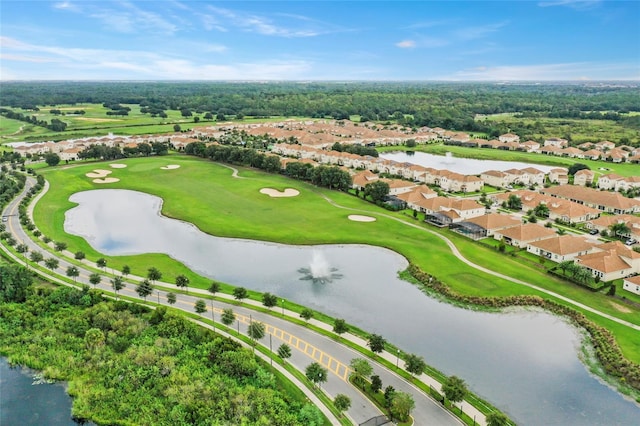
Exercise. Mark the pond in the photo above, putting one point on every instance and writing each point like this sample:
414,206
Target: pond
27,400
465,166
525,362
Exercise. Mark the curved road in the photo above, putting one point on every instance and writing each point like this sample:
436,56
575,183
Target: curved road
306,345
459,255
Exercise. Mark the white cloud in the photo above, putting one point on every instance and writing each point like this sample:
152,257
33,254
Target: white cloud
473,33
250,22
550,72
76,63
25,58
574,4
66,5
406,44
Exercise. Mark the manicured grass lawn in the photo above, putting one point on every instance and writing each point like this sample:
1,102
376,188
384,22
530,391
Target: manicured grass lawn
96,122
623,169
204,193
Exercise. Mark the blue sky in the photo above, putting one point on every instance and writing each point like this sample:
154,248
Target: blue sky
319,40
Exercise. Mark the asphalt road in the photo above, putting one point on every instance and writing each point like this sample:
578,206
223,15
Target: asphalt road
307,346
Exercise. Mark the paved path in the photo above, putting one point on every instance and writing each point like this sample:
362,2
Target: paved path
307,345
459,255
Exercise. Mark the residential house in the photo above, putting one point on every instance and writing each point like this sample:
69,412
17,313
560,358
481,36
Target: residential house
522,235
530,146
556,142
362,179
604,223
610,202
416,196
509,137
604,145
495,222
583,177
592,154
559,176
445,210
610,261
561,248
632,284
495,178
609,181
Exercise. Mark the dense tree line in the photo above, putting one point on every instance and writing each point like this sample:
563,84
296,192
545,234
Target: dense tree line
56,125
355,149
127,364
447,105
329,177
103,152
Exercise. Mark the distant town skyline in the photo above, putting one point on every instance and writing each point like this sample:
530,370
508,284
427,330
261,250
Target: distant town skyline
554,40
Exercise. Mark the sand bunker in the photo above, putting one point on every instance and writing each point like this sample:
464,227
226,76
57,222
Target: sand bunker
170,167
106,180
98,173
118,166
360,218
289,192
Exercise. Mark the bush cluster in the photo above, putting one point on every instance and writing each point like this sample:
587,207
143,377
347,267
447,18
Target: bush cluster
606,349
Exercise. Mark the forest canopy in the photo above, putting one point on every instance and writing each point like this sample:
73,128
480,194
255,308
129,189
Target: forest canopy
447,105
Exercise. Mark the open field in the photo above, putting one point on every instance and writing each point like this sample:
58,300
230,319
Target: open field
578,130
623,169
305,219
96,122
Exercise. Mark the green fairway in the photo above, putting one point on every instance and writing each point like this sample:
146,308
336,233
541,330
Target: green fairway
96,122
205,194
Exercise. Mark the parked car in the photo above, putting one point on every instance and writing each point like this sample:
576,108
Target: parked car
593,232
630,242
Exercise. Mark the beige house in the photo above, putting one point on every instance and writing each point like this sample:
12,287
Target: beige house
604,145
604,223
610,202
455,209
495,222
509,137
556,142
416,197
583,177
559,176
495,178
611,261
609,181
525,234
632,284
561,248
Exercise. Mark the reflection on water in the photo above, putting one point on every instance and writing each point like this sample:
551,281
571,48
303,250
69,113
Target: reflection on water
525,362
465,166
27,400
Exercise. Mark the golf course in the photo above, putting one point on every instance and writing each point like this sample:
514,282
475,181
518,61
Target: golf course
207,195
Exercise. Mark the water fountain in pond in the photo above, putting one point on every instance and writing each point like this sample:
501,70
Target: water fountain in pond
319,270
448,157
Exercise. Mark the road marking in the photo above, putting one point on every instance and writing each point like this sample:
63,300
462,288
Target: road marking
333,365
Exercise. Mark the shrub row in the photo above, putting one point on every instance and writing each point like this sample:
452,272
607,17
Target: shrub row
606,349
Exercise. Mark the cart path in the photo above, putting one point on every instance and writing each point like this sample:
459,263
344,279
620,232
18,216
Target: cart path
459,255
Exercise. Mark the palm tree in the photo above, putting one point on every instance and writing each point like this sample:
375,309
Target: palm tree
95,279
182,281
620,229
118,284
73,272
52,263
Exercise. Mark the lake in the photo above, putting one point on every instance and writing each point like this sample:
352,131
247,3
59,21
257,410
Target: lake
23,402
524,362
465,166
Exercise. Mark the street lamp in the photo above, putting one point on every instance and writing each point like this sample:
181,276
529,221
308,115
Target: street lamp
282,300
397,357
158,296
